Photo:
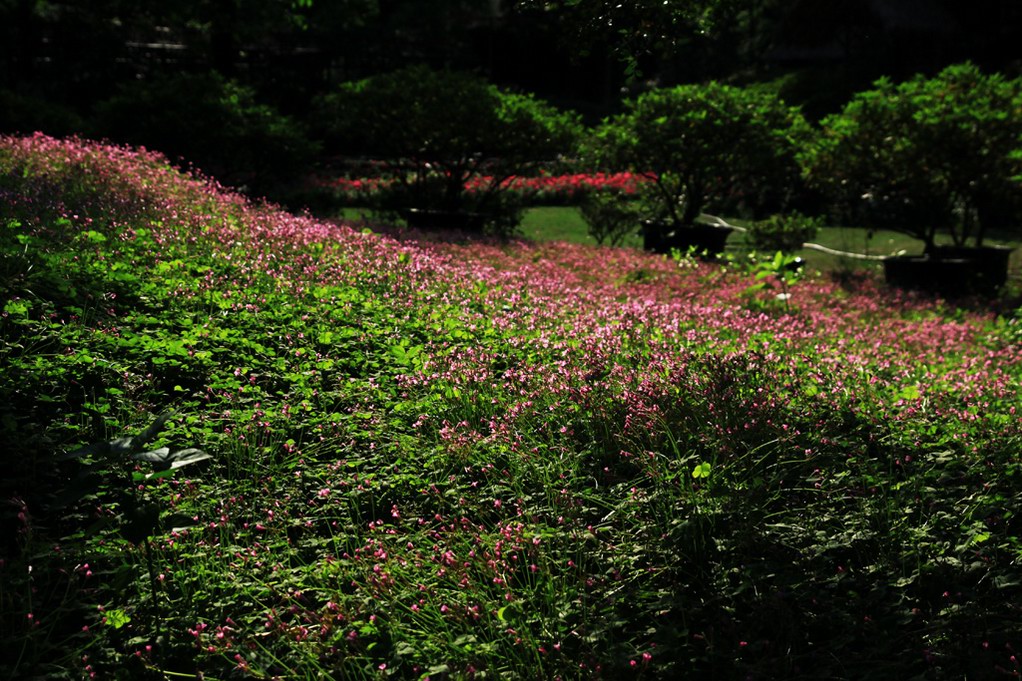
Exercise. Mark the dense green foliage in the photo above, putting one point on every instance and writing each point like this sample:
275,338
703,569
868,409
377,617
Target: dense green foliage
437,131
25,113
523,461
929,156
214,123
702,145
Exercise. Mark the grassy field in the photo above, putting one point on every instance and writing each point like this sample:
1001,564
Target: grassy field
559,223
245,444
564,223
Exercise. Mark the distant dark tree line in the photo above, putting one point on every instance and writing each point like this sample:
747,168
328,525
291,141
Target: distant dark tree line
235,80
582,50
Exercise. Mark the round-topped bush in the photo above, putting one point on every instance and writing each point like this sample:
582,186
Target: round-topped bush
435,131
928,157
701,145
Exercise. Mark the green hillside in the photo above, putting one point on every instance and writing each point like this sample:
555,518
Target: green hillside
385,457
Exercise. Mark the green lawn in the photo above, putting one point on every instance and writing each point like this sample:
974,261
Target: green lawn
564,223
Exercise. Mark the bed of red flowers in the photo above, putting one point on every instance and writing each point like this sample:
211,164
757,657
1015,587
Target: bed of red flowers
543,189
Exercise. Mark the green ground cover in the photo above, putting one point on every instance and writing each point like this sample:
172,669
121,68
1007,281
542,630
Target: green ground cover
478,460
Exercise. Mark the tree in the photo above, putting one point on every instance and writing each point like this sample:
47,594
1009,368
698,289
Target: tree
634,30
212,122
926,156
437,130
701,143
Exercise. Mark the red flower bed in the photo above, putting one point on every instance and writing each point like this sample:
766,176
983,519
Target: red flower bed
543,189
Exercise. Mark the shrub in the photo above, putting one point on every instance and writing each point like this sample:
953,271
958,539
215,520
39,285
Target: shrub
438,131
610,216
925,156
702,143
25,113
784,233
213,123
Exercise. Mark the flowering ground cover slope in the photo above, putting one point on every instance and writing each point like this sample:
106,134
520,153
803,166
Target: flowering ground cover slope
477,460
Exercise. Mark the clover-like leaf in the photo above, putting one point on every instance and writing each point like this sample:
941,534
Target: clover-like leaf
116,618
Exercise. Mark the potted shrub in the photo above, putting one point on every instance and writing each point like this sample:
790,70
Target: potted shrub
931,158
437,132
696,145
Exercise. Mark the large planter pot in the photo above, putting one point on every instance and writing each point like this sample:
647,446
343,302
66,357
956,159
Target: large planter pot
705,239
991,263
945,276
951,270
433,220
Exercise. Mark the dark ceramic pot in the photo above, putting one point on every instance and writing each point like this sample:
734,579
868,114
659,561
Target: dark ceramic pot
951,270
945,276
662,238
991,263
433,220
